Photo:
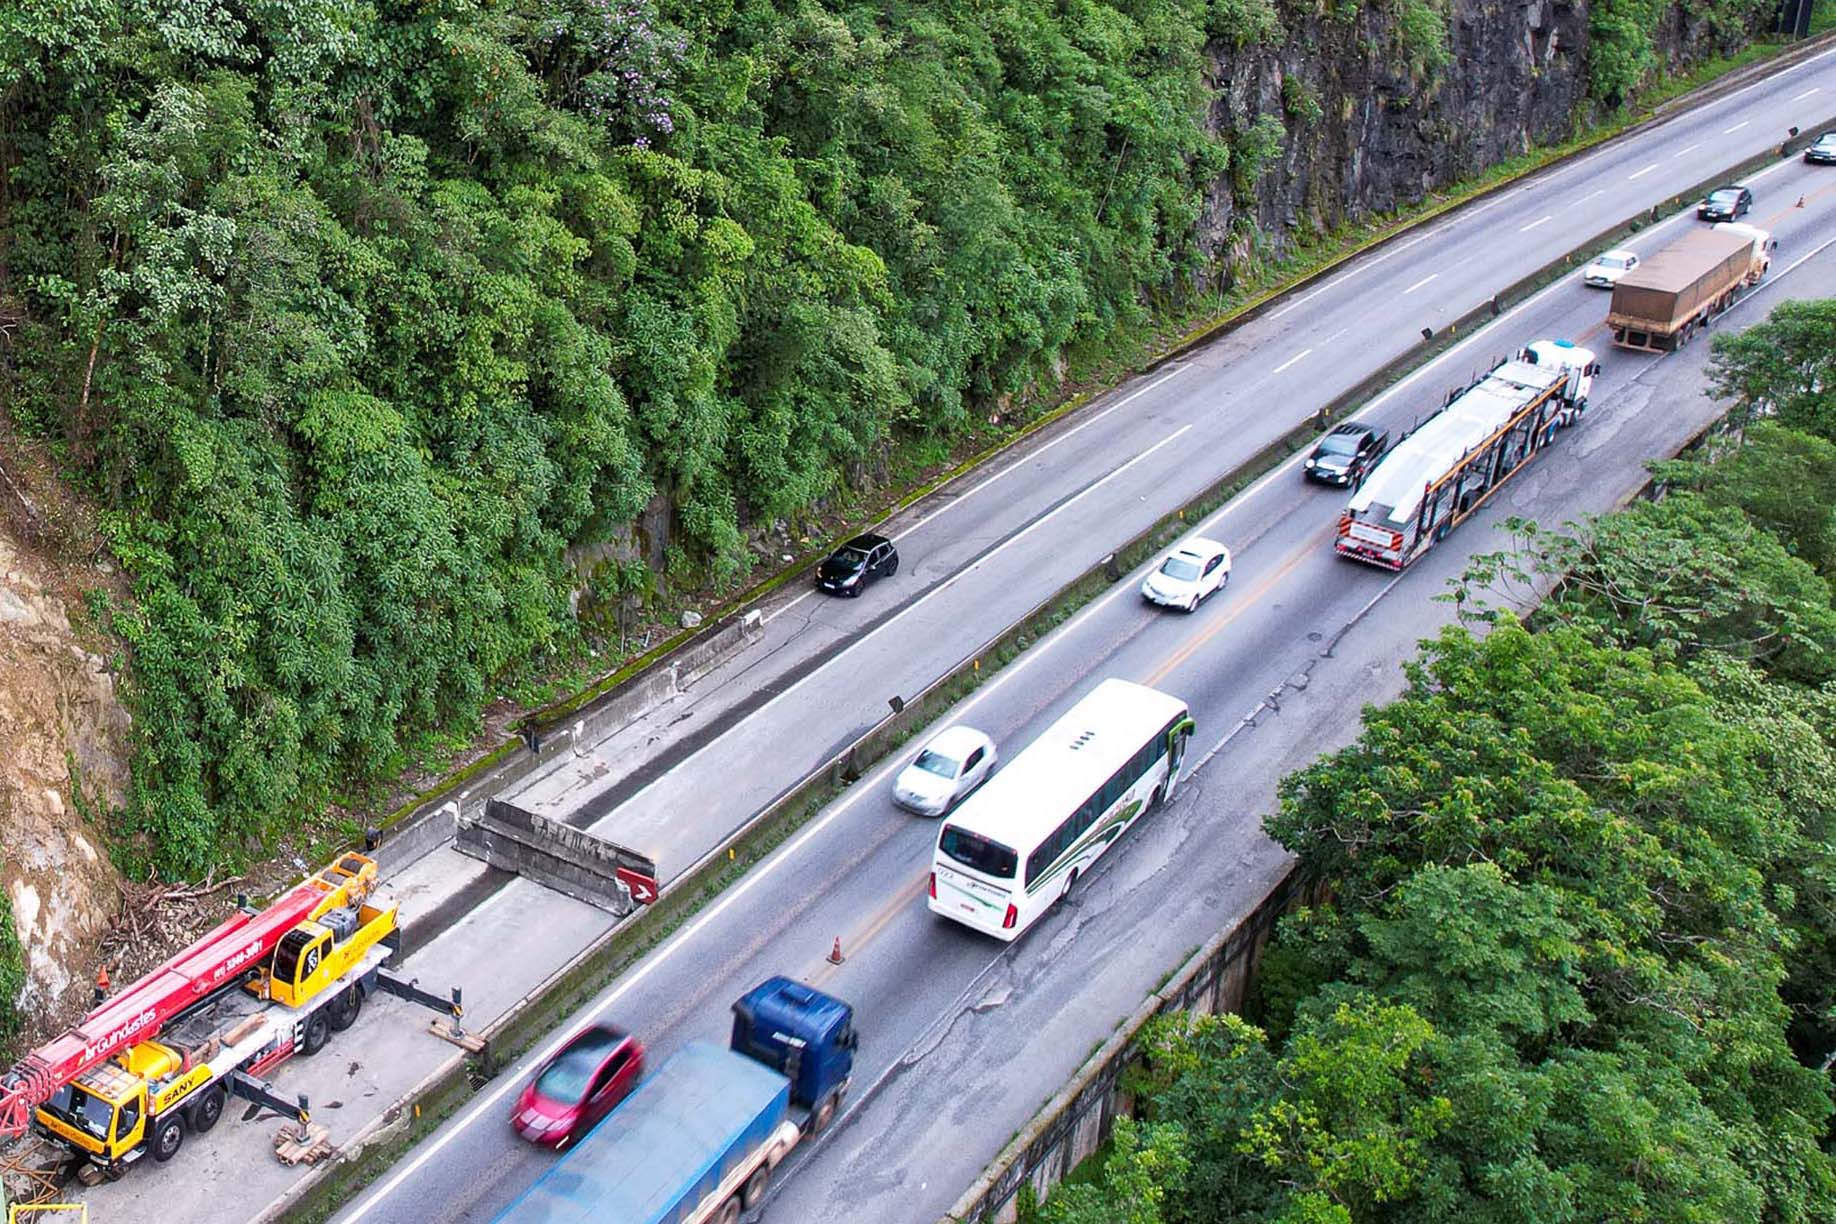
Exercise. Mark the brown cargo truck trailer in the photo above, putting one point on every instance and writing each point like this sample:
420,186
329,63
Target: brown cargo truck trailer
1661,303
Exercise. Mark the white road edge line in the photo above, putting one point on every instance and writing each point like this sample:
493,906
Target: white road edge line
1543,220
1807,93
453,1127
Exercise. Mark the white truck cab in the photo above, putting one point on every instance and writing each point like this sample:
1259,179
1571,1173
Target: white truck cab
1581,365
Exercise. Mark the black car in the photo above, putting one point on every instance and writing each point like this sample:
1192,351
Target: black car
1347,454
856,563
1822,150
1725,204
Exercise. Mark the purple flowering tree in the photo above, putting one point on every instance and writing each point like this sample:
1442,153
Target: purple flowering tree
612,61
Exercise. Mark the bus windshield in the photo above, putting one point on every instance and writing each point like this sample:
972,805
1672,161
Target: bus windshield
978,853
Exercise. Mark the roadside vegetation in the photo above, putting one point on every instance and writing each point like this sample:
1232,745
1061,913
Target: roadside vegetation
1578,960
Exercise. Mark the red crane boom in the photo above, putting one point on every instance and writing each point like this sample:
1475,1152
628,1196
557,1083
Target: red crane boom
218,961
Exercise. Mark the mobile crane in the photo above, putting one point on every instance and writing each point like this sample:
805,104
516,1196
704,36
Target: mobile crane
163,1055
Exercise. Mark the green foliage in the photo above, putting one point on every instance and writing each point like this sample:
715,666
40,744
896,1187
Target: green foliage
1786,368
1300,101
1245,23
1621,56
1421,36
1145,1164
358,320
1252,150
12,975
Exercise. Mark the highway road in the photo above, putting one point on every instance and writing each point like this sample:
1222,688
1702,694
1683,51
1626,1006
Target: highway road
964,1038
976,556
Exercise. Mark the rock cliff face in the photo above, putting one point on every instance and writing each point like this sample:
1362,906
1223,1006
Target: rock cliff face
1384,136
61,726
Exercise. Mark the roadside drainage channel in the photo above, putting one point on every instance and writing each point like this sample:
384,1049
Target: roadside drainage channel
378,1144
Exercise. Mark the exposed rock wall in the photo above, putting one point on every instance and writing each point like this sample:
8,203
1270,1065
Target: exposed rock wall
1516,77
58,709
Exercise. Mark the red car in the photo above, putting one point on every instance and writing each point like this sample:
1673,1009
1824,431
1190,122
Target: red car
578,1086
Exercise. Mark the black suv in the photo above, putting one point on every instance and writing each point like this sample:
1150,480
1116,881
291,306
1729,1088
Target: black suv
1346,455
1725,204
856,563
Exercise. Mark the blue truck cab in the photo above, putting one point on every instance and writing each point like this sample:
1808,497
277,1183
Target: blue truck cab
804,1035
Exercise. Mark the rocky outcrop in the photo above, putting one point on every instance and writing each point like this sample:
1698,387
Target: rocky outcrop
1367,134
62,728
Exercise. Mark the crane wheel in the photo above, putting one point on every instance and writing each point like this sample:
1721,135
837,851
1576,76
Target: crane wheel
344,1011
207,1110
168,1138
318,1032
729,1211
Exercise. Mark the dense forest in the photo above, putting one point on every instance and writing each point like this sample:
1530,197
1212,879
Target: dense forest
360,321
1579,957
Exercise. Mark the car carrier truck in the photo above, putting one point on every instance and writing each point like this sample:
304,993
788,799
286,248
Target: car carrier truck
162,1057
1664,301
1446,468
698,1141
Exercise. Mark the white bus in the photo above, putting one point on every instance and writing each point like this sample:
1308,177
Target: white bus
1019,844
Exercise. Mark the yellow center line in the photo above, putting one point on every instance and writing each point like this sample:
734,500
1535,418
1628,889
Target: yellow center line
1310,547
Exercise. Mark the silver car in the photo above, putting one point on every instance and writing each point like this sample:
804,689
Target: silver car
956,761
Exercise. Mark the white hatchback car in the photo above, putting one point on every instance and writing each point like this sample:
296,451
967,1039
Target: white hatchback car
1608,266
955,762
1191,571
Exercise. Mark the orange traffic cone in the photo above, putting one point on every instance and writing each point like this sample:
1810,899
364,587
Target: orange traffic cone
102,983
1800,203
835,956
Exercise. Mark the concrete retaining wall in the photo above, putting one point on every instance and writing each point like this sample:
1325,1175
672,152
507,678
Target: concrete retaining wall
571,861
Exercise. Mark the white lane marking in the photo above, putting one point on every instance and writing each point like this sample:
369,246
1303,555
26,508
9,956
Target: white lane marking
1336,335
1687,151
1730,131
1598,191
1807,93
1524,229
1017,463
746,883
1641,173
1418,284
1290,361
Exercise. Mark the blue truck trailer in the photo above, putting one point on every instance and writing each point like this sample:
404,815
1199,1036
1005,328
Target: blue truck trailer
698,1140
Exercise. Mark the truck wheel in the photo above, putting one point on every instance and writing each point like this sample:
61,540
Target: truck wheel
756,1185
729,1212
825,1113
208,1109
344,1011
168,1137
318,1032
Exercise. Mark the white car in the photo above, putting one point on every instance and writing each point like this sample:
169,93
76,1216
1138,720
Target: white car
1608,267
1192,571
954,763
